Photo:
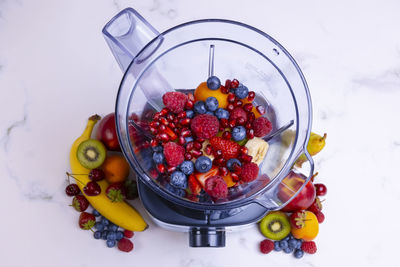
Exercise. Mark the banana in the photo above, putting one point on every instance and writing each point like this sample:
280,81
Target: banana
257,148
120,213
315,144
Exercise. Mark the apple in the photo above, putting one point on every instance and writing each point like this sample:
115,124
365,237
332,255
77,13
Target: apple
289,186
107,133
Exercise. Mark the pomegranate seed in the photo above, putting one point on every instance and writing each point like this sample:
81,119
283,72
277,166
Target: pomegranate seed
234,83
240,121
235,177
251,117
261,110
190,97
246,158
196,153
208,149
224,123
161,168
164,121
197,145
171,169
251,96
218,153
243,150
185,121
153,130
170,117
200,140
224,90
154,143
164,111
181,140
223,171
189,146
227,135
172,126
228,84
170,133
221,129
164,137
154,124
156,116
162,127
186,133
238,103
248,125
232,123
176,120
248,107
250,134
153,173
189,104
188,156
231,97
182,115
230,107
236,168
219,161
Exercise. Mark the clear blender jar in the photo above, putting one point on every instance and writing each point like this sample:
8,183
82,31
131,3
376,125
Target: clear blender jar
178,59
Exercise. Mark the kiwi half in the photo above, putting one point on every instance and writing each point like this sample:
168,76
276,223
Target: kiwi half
275,225
91,153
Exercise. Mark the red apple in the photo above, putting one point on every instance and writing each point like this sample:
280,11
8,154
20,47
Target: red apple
289,186
107,134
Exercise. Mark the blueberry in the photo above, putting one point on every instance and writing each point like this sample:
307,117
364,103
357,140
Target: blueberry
299,242
158,157
292,243
96,213
120,235
277,246
187,167
99,226
177,191
104,235
298,253
203,164
97,234
112,228
213,83
189,114
211,103
200,107
283,244
188,139
222,113
104,221
111,236
178,179
157,149
287,238
210,113
288,250
239,133
230,163
110,243
241,92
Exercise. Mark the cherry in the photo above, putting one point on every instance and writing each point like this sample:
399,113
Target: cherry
92,189
72,190
320,189
96,175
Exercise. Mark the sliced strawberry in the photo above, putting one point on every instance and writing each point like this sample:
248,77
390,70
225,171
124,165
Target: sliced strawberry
193,185
202,177
229,148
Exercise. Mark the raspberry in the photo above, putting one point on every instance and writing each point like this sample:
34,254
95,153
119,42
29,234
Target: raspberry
205,126
174,154
238,112
175,101
309,247
128,234
261,126
229,148
320,217
216,187
125,245
249,172
266,246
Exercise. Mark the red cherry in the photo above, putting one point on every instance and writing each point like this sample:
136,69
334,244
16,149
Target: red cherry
96,175
320,189
92,189
72,190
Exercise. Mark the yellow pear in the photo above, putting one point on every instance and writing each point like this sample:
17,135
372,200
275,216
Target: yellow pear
315,144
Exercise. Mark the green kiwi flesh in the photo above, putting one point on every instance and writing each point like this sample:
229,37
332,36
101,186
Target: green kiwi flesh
91,153
275,225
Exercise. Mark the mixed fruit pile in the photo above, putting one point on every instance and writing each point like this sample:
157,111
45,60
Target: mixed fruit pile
294,227
102,181
206,142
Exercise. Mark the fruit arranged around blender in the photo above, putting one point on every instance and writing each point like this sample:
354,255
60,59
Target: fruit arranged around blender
210,140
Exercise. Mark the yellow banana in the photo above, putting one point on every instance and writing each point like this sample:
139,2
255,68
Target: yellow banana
257,148
120,213
315,144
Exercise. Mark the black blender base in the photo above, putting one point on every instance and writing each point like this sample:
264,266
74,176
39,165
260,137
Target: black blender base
206,228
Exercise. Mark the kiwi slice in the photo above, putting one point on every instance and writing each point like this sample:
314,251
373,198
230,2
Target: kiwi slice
91,153
275,225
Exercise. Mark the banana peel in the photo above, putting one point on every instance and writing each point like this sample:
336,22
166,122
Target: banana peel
315,144
119,213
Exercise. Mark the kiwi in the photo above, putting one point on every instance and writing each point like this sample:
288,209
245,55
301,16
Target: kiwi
91,153
275,225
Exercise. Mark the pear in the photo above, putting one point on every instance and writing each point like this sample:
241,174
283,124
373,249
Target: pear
315,144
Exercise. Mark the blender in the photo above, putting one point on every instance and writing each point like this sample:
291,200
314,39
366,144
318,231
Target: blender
180,58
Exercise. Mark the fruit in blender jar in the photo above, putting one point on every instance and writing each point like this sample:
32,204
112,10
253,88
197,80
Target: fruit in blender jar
174,154
216,187
187,167
107,134
249,172
237,113
92,189
222,113
238,133
230,163
86,221
266,246
115,168
310,228
178,179
261,126
257,148
213,83
175,101
229,149
205,126
80,203
202,177
72,190
315,144
116,192
291,184
275,225
91,153
203,164
241,91
211,104
320,189
202,92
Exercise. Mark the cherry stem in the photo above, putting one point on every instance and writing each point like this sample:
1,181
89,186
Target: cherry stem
70,175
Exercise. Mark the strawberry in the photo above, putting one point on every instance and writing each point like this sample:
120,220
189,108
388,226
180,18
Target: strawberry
193,185
86,221
297,219
116,192
131,189
80,203
316,206
202,177
229,148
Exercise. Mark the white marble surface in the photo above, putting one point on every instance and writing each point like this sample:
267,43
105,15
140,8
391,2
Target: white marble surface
56,70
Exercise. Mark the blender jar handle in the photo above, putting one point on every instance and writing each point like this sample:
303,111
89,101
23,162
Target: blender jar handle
127,34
